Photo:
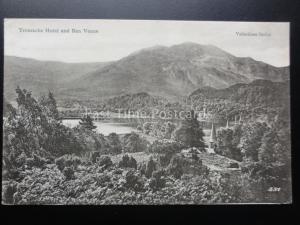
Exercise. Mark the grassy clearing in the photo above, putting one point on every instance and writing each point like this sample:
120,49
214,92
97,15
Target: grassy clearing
217,162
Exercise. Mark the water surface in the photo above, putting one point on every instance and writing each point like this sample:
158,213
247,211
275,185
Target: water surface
105,127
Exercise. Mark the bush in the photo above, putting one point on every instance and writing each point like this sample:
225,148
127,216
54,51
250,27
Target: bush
180,165
104,161
69,173
103,179
157,181
164,159
94,156
166,150
128,162
14,174
60,163
134,143
8,191
147,127
148,168
114,143
175,167
133,180
36,161
68,161
195,157
91,141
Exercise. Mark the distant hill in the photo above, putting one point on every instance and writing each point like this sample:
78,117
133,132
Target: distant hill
258,98
170,72
256,93
41,76
134,101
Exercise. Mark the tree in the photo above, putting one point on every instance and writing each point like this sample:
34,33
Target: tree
50,106
7,108
147,127
150,167
128,162
169,128
32,130
271,151
226,144
133,143
87,123
190,132
252,139
224,141
165,150
236,136
175,166
114,143
104,161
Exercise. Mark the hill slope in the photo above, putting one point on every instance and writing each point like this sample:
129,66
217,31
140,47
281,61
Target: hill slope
260,97
258,92
170,72
41,76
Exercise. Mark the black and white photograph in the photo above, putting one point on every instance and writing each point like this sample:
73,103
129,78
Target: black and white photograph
146,112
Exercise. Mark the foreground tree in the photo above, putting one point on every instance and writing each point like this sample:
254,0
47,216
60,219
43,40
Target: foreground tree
31,131
50,106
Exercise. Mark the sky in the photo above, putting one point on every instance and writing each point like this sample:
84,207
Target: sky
118,38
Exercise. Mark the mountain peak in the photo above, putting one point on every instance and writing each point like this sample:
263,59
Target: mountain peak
152,48
201,49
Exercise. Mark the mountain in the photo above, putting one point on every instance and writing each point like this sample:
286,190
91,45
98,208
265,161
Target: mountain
41,76
174,71
171,72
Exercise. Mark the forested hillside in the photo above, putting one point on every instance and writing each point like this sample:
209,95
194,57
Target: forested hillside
261,97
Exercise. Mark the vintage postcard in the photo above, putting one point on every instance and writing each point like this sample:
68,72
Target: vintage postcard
146,112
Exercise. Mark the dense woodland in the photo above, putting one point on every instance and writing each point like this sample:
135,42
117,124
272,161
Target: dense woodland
255,100
45,162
